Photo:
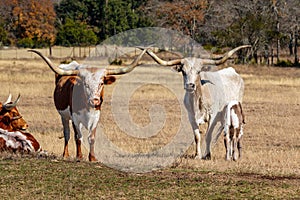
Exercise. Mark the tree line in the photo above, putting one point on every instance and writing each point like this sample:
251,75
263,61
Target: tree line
268,25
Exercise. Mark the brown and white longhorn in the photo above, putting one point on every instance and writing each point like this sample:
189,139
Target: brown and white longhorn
12,130
78,96
10,117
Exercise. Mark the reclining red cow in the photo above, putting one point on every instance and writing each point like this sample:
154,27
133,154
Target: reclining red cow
12,126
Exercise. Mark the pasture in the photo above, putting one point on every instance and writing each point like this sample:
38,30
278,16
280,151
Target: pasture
269,168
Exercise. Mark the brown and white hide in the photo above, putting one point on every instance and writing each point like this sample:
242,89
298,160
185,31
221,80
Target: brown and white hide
18,141
233,130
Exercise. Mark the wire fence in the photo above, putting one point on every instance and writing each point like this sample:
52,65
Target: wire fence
108,51
56,52
64,53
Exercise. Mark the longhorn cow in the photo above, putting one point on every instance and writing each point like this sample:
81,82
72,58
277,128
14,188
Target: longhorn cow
12,126
10,117
78,96
207,93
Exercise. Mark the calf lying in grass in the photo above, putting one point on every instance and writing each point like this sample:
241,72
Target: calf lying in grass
233,130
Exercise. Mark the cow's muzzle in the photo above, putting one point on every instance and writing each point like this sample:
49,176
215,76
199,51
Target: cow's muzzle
23,128
190,87
95,102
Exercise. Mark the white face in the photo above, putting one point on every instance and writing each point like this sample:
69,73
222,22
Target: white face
190,68
93,85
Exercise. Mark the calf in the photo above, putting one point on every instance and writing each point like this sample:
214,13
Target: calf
233,130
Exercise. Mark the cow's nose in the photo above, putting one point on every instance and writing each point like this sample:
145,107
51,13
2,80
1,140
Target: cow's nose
25,127
190,86
96,102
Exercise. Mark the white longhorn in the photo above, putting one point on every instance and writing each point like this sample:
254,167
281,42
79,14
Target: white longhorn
207,93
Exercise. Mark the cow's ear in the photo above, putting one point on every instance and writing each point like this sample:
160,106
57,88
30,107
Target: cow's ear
109,80
6,120
177,68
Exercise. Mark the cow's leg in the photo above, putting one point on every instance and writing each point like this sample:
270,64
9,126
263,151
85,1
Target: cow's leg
66,128
197,136
239,146
190,105
232,142
198,143
239,142
227,146
227,141
91,139
78,140
234,145
208,139
213,132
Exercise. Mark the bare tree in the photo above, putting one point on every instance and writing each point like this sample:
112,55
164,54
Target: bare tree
290,23
262,23
181,15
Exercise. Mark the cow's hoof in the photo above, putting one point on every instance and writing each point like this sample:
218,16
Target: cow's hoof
207,157
66,157
197,157
78,159
92,158
235,158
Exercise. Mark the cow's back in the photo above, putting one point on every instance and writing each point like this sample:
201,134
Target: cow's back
233,84
221,87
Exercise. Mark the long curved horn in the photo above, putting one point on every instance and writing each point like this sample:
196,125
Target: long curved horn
9,106
226,56
54,68
126,69
163,62
8,99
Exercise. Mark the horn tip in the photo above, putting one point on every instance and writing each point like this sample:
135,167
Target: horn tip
33,50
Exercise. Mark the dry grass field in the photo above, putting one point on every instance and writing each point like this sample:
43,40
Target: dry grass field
271,142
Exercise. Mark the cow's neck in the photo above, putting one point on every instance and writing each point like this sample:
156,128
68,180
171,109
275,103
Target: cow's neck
79,100
192,100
